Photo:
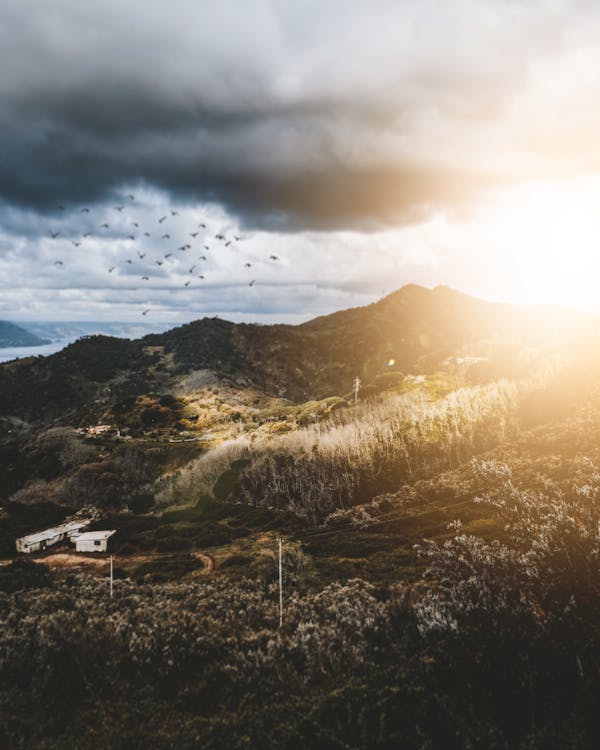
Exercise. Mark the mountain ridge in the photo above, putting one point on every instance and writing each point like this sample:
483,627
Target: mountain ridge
412,330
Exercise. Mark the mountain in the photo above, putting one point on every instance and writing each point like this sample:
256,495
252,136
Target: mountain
417,328
69,330
14,335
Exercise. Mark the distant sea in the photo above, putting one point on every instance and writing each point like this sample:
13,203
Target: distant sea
18,352
63,333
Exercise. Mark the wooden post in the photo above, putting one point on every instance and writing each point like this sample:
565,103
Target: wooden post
356,388
280,585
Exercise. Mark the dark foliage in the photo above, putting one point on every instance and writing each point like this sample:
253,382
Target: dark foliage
23,574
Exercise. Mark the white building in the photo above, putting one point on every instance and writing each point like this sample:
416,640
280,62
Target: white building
93,541
42,539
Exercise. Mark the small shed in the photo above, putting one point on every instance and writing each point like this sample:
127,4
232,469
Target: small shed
49,537
93,541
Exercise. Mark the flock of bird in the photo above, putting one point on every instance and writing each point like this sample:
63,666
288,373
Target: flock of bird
201,234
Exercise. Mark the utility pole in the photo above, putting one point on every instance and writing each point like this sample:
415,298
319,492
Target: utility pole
111,576
280,585
356,389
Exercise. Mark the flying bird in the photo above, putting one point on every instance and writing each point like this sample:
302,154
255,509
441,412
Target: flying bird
84,211
200,276
219,237
135,224
160,221
273,257
145,312
168,255
228,243
129,261
202,225
192,269
58,263
194,234
111,269
76,243
252,282
145,278
131,197
131,237
166,237
61,208
202,257
54,235
141,255
86,234
247,265
206,247
146,234
159,262
106,226
174,213
119,208
187,283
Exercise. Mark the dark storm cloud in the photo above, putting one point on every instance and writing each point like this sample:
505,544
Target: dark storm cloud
289,113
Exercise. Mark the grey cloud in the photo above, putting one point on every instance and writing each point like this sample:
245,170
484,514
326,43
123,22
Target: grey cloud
292,114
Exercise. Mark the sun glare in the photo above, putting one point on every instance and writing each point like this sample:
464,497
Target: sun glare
546,235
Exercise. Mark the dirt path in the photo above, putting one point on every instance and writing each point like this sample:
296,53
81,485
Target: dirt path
209,563
63,560
100,564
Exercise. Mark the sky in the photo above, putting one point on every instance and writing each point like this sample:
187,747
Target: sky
341,149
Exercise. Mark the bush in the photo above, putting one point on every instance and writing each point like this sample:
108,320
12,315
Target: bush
23,574
355,454
141,503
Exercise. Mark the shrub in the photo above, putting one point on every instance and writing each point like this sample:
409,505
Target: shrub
23,574
355,453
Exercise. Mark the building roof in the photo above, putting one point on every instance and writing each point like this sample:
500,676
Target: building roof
64,528
89,536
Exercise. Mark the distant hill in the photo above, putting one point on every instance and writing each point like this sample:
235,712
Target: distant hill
69,331
13,335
